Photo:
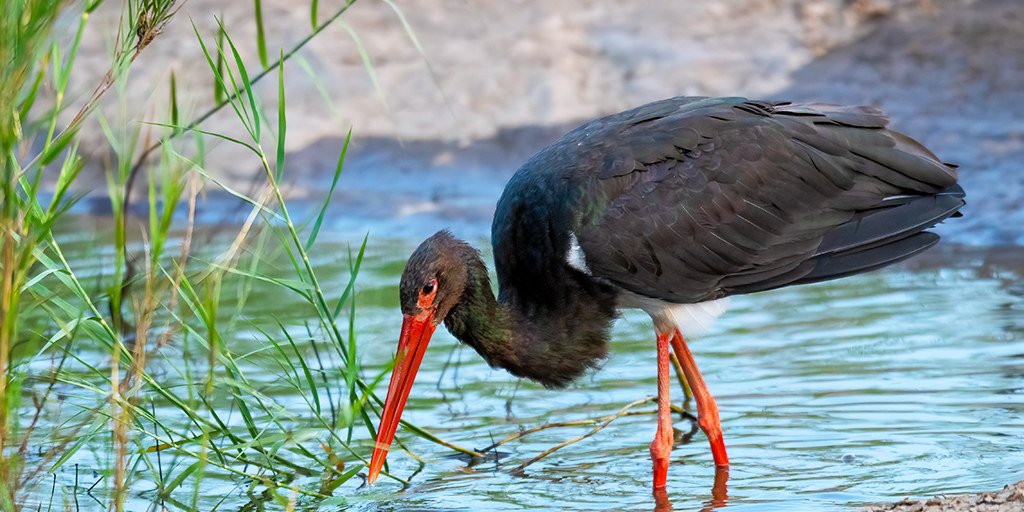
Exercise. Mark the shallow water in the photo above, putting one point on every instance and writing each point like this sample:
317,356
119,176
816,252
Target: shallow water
904,382
867,389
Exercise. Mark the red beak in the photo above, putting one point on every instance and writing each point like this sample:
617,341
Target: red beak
416,332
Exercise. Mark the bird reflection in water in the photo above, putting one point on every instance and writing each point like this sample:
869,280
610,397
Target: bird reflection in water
719,493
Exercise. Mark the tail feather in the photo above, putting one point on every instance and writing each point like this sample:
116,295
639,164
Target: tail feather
893,219
892,231
834,266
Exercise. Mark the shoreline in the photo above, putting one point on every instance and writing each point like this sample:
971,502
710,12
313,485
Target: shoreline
1009,499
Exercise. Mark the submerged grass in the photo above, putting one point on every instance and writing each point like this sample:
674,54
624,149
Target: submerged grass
131,366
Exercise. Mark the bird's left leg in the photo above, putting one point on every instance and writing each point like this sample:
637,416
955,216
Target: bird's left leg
661,447
681,377
707,410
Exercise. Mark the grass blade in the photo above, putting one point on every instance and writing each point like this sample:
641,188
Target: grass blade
261,36
330,193
174,100
244,78
282,121
218,68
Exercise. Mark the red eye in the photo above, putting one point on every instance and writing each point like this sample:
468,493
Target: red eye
427,294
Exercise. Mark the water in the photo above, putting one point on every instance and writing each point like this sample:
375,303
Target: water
904,382
868,389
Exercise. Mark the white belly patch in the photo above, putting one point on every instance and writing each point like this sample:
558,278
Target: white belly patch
697,319
693,320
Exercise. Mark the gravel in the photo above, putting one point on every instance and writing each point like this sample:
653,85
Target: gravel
1010,499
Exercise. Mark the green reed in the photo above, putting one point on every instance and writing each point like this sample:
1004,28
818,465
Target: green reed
162,404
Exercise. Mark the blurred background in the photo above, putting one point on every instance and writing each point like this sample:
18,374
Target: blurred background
439,91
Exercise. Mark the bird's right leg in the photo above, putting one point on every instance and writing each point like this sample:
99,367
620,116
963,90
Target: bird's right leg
661,447
707,410
681,377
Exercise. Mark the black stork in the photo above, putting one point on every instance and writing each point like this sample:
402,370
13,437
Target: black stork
670,207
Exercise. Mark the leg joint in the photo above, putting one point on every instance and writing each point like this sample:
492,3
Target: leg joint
661,447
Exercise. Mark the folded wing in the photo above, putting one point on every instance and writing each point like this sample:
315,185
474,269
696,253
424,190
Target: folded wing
699,199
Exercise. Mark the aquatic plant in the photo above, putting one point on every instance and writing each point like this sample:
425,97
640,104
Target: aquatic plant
159,295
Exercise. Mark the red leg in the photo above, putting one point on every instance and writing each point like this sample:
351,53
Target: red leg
707,411
661,447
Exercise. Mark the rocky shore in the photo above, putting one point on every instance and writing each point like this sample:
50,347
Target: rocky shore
1010,499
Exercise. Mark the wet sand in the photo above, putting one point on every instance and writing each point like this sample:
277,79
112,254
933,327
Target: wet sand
953,79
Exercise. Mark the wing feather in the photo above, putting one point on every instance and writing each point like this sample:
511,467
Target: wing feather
697,199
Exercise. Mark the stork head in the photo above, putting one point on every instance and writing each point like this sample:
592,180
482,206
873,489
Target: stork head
432,284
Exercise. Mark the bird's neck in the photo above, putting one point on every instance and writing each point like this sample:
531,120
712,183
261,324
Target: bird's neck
549,341
479,321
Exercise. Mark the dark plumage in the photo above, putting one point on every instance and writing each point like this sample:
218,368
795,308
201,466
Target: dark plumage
679,201
549,348
692,199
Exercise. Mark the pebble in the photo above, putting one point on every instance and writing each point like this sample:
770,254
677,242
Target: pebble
1010,499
